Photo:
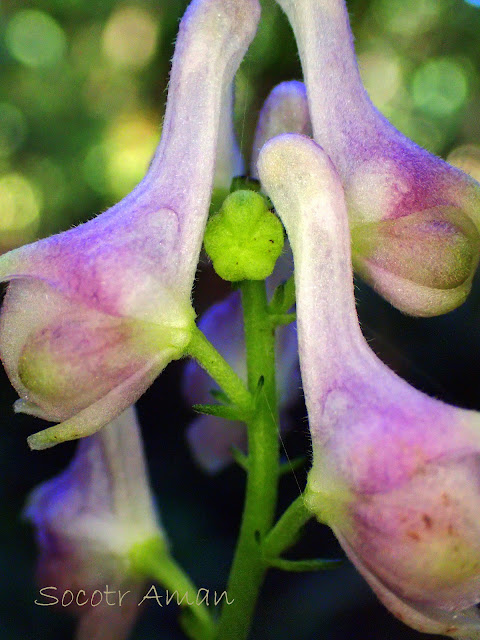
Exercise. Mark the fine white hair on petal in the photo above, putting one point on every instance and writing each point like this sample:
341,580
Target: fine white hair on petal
74,312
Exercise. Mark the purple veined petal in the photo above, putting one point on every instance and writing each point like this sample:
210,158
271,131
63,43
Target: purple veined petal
348,126
211,438
284,111
334,368
395,473
340,109
298,202
88,519
121,283
422,537
83,263
372,157
208,62
65,358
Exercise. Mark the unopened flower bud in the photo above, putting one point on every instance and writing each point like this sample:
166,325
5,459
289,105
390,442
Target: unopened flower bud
245,239
284,111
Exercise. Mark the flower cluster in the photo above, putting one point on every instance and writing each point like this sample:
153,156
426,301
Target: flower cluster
93,315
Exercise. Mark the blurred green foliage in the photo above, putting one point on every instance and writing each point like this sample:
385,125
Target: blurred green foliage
83,87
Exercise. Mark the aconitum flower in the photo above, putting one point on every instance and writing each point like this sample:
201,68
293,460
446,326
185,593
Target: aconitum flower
94,314
414,219
395,474
89,522
284,111
211,438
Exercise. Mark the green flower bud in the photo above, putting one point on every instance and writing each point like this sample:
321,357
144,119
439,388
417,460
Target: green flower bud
245,239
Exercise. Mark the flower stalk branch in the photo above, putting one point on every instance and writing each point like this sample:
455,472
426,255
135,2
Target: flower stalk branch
288,529
218,368
154,561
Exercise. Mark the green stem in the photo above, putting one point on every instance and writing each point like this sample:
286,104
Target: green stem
249,567
153,560
287,530
279,319
219,369
289,295
314,564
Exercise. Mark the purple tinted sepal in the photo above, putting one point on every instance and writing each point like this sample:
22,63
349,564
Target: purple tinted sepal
211,438
284,111
90,519
395,473
425,266
94,314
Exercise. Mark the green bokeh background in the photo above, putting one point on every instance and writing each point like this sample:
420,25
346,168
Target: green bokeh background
82,93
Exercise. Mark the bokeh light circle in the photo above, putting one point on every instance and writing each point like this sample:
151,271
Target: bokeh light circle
440,86
130,37
19,203
35,39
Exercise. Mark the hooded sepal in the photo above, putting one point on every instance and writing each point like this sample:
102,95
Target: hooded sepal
94,314
395,473
90,521
387,178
